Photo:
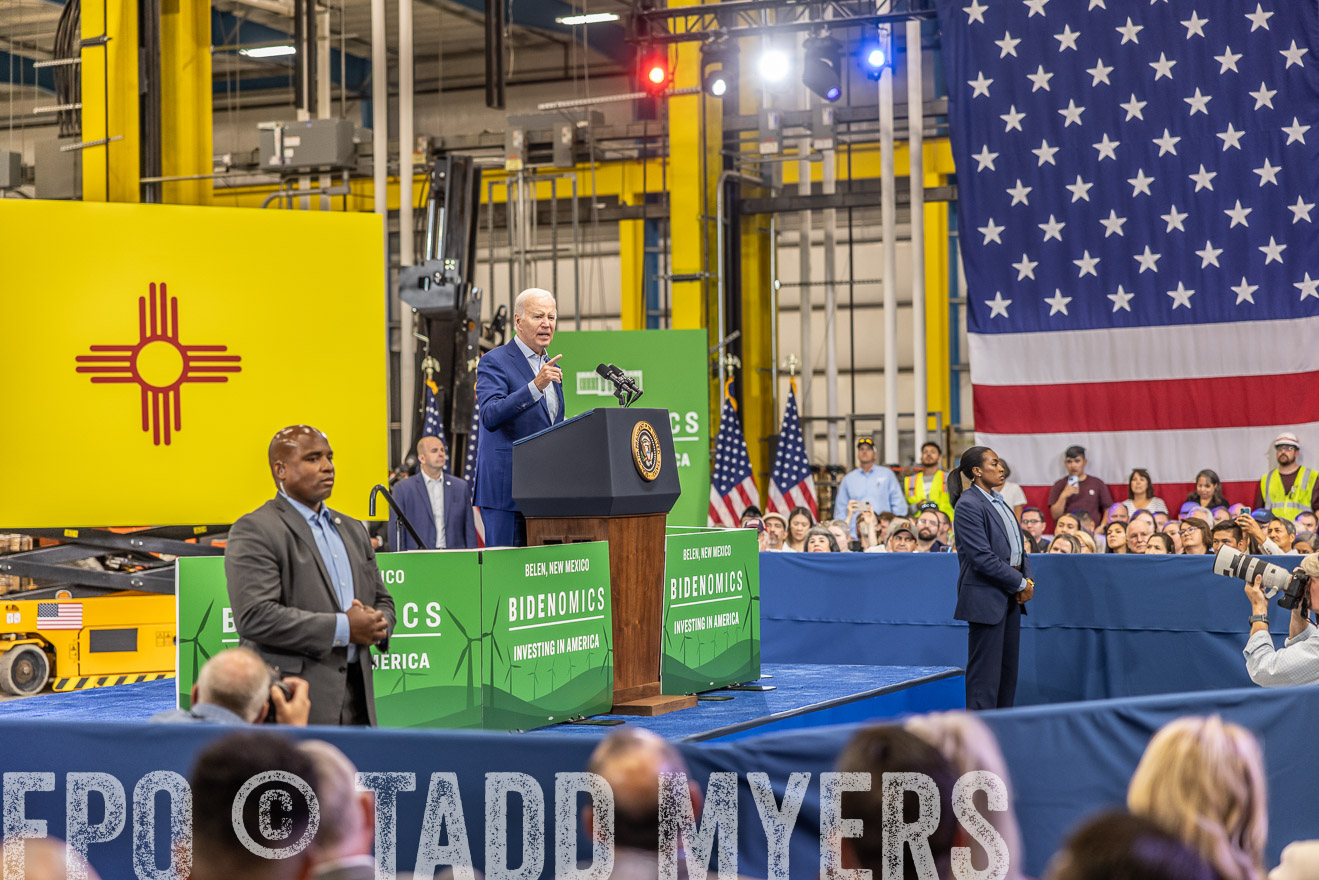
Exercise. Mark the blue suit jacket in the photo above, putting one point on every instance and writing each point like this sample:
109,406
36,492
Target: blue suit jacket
986,582
508,413
459,521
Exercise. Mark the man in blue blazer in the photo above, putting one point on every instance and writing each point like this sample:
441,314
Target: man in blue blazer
519,389
421,494
993,579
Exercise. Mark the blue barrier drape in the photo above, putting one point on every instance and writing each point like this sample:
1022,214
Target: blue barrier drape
1066,762
1099,626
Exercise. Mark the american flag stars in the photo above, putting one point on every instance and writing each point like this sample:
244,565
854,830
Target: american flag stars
1105,214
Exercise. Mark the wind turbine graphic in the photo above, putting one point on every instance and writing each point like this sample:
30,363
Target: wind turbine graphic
494,643
195,641
466,654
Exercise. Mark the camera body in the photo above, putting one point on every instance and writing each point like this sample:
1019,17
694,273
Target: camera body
276,680
1294,585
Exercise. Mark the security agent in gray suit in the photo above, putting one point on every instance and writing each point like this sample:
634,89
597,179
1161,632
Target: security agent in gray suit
303,583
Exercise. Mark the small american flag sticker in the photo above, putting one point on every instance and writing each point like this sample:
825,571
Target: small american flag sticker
59,615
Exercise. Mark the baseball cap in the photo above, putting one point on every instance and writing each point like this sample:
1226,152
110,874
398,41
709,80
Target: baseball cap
1287,438
865,441
773,515
926,505
898,526
1262,516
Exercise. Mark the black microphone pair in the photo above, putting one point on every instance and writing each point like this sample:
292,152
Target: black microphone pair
618,377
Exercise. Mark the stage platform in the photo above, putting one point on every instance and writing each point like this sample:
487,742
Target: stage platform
804,695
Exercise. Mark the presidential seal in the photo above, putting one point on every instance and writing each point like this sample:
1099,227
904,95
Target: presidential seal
646,451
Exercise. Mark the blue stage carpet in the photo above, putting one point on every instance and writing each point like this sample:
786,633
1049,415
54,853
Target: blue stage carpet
805,695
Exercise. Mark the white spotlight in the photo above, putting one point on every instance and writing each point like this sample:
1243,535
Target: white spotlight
774,65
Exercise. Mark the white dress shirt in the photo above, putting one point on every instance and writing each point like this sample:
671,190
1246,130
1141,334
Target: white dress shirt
435,489
537,361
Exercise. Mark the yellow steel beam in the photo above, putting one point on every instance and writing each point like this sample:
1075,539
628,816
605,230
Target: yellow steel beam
110,172
185,99
695,123
759,420
937,305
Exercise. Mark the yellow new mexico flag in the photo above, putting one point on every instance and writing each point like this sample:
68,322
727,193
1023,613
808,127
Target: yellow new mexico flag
150,352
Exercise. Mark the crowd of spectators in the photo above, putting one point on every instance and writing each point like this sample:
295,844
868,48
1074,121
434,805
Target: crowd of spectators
876,513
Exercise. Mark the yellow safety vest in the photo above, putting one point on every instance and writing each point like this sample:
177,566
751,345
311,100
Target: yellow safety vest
1287,505
915,486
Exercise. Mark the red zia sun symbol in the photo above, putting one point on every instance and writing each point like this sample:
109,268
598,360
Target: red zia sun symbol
159,364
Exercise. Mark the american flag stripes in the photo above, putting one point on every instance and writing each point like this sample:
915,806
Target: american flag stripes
59,615
469,466
791,483
1137,189
434,424
732,485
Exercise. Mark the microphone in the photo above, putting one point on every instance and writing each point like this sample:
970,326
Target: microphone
611,372
625,381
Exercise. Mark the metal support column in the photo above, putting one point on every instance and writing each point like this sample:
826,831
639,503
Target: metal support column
111,169
889,223
406,236
916,181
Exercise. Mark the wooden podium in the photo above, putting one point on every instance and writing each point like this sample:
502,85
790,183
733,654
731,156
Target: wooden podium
610,475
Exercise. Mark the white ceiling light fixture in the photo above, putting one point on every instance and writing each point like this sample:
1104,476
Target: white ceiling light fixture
591,18
269,51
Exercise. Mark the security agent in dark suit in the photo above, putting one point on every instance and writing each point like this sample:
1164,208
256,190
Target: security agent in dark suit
519,388
303,583
993,578
455,526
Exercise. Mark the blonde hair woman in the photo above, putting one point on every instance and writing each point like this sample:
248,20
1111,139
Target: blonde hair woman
1203,780
968,744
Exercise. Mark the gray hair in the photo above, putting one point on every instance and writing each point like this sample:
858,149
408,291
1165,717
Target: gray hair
520,304
1287,524
236,679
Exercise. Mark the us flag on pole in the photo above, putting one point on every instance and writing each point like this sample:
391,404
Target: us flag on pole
59,615
1137,188
732,486
434,425
469,467
790,482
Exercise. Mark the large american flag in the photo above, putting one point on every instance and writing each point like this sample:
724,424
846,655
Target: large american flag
790,482
469,467
1137,187
434,425
732,486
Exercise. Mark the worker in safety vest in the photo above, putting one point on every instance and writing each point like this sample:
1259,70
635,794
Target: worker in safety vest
1289,489
930,483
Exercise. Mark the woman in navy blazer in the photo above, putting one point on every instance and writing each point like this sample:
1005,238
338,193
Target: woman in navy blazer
993,578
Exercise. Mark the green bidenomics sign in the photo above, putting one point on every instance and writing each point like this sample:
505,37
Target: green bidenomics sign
438,671
711,609
670,367
549,632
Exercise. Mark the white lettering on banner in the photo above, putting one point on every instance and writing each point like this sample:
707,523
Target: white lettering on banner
227,621
275,793
411,609
400,660
702,585
393,576
540,606
553,647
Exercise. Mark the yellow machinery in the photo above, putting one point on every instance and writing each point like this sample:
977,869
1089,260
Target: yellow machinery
117,638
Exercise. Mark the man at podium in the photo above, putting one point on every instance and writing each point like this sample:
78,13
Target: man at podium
519,388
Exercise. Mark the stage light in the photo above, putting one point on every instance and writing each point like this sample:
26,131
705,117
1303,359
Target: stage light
655,73
774,65
819,69
874,53
719,67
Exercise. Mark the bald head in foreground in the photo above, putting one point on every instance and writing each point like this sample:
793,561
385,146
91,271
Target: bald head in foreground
306,592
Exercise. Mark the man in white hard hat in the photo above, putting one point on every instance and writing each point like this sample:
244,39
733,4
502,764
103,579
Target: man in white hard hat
1289,489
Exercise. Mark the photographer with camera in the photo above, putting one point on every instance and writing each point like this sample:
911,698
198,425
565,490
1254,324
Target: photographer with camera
1297,662
237,687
